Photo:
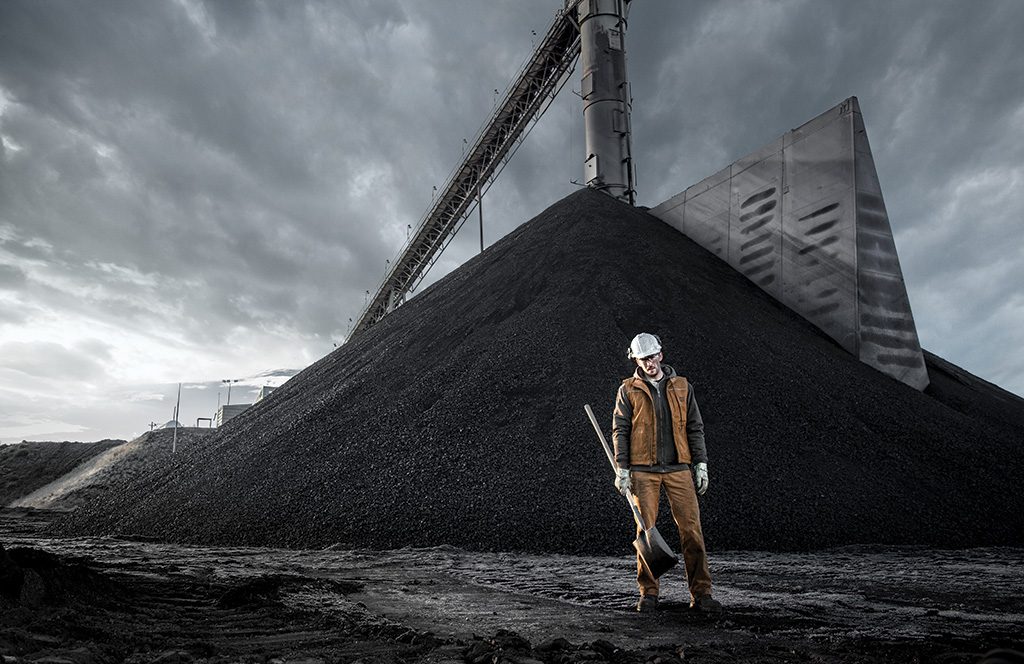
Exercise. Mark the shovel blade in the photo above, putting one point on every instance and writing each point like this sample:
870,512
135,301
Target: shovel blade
656,554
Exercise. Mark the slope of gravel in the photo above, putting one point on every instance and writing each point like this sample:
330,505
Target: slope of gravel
26,466
459,418
123,464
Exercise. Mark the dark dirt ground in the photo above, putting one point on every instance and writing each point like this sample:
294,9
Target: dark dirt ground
97,600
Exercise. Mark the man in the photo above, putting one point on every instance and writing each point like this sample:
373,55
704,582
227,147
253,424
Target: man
659,436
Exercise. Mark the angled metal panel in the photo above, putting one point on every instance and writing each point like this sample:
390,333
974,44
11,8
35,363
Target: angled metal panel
755,220
820,282
673,210
888,336
804,220
819,224
819,164
706,218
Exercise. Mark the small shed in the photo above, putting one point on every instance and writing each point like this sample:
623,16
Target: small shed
227,411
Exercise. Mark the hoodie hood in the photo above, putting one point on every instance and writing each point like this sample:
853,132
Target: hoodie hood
665,369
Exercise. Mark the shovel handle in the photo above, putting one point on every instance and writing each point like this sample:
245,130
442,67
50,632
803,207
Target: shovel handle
600,435
630,498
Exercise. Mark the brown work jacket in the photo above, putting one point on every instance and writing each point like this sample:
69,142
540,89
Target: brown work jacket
642,427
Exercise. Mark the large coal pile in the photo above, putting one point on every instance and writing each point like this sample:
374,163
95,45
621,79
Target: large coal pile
27,466
459,418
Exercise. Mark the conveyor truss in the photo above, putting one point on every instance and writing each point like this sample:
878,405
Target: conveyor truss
531,92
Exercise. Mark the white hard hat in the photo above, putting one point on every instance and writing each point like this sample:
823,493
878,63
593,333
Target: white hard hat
644,345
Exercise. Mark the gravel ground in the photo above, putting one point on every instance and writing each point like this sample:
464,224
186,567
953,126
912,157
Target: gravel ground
459,419
99,600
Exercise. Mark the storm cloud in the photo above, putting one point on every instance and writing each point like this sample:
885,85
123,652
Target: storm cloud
197,190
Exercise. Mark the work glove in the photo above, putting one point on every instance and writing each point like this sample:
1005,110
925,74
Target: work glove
622,482
700,477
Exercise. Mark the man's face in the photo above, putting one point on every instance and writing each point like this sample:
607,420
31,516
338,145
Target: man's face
650,365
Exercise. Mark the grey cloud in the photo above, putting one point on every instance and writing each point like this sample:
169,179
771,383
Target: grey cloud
11,277
50,360
95,349
772,74
29,250
11,316
218,147
259,162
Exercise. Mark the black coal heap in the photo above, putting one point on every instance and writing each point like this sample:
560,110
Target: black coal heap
459,419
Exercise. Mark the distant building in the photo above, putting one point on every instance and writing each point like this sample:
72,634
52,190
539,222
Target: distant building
227,411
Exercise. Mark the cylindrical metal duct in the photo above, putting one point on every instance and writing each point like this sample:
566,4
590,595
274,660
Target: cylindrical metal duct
606,98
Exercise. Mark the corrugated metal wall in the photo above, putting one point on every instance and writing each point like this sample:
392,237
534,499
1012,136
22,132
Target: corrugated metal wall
803,218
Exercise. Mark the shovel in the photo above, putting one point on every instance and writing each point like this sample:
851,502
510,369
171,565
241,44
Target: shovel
649,544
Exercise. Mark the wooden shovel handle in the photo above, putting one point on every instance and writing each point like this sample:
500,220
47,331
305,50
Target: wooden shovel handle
630,498
600,435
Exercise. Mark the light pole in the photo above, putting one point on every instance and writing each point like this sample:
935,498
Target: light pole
177,405
229,381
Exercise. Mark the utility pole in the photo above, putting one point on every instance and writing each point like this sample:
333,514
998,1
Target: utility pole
174,441
480,209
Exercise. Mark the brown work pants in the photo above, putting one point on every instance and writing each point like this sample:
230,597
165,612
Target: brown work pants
682,498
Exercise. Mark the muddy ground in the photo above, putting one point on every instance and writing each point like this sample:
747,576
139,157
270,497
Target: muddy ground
116,600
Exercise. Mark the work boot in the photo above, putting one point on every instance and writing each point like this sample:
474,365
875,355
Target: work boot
647,603
706,604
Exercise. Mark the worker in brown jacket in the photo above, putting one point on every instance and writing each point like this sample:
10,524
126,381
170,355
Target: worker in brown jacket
659,442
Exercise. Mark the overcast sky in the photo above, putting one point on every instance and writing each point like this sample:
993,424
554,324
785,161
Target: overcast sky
192,191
